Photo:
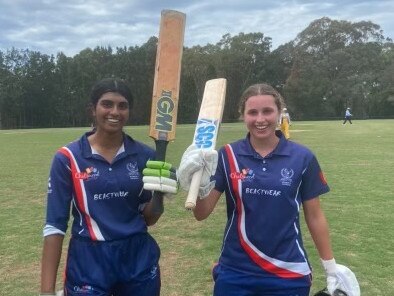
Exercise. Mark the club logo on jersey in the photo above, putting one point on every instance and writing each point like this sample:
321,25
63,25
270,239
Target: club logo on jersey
287,175
205,133
132,167
243,175
90,173
85,289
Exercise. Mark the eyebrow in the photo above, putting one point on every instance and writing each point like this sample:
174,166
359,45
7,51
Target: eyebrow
109,100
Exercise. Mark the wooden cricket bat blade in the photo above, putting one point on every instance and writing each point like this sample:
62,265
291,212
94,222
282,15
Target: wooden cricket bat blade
207,129
166,87
167,79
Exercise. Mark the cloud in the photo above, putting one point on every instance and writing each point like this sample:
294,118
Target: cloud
50,26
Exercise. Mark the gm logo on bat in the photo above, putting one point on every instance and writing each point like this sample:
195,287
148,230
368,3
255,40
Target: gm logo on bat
165,106
204,136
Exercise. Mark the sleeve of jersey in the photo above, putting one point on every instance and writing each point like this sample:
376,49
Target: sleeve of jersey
313,181
60,192
220,173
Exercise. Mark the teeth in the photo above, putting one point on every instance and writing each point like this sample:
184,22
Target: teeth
113,120
261,127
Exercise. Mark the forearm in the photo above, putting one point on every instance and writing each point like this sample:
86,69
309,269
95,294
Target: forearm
318,227
205,206
50,262
154,209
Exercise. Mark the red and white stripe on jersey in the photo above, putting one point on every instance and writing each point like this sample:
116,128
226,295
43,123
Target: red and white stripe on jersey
278,267
81,198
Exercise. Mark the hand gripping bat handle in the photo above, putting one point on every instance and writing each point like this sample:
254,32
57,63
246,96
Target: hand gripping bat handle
191,200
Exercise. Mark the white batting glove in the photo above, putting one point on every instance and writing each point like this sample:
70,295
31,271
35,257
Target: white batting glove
193,160
330,268
340,278
160,176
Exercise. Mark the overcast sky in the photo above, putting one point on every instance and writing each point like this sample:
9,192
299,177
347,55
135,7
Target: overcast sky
51,26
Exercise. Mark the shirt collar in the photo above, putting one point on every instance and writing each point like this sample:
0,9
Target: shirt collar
282,148
120,150
128,143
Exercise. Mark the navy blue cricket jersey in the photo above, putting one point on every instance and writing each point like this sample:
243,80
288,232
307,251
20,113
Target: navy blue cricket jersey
264,196
106,199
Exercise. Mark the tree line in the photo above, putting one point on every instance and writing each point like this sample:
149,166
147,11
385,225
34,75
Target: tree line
329,66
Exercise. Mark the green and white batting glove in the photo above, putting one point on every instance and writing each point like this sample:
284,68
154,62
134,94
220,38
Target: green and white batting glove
160,176
193,160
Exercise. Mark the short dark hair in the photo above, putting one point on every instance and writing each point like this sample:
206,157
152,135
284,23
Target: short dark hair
106,85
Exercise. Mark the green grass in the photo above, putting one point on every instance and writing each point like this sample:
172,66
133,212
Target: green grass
357,159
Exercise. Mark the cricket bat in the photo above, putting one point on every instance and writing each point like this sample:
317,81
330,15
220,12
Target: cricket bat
207,128
166,80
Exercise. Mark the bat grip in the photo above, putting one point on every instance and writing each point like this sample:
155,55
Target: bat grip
161,148
192,195
157,202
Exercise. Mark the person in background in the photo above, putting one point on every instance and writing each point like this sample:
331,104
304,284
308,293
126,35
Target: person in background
100,179
348,116
285,123
266,180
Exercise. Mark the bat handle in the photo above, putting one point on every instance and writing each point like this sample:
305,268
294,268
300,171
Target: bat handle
157,206
161,148
191,200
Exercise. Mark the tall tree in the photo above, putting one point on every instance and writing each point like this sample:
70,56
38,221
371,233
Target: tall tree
198,66
38,85
12,108
333,67
137,66
242,61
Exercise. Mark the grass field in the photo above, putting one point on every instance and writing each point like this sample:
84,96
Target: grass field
358,162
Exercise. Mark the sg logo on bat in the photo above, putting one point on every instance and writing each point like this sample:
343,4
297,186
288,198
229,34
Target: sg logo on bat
204,137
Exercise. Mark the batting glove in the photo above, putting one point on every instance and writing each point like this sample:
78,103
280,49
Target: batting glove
160,176
193,160
340,279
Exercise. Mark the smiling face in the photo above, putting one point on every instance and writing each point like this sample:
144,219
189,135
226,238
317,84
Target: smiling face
111,112
261,116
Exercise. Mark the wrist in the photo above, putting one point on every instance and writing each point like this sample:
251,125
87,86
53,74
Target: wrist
204,190
330,266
